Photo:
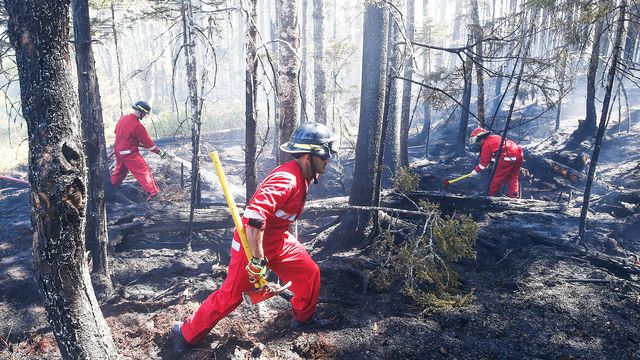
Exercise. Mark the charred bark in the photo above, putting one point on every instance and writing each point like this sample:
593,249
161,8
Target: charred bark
303,63
477,37
194,103
611,77
319,73
288,70
114,31
95,148
466,101
251,116
392,121
587,128
39,33
372,95
406,86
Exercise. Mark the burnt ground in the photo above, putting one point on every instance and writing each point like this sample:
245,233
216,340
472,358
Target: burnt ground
536,297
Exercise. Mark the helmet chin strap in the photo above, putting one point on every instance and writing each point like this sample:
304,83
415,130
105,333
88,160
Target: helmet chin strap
314,172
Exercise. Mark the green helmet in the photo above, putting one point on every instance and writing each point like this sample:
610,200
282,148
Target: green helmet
311,138
142,106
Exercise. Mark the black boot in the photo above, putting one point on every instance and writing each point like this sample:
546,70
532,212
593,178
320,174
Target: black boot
180,345
314,323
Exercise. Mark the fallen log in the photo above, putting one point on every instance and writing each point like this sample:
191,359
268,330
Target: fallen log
475,204
134,220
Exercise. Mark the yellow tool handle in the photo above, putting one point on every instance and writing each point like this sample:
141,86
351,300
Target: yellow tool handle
460,178
233,209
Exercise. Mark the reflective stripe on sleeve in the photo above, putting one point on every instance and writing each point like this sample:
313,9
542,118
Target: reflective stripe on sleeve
481,167
125,152
235,245
286,216
252,214
152,148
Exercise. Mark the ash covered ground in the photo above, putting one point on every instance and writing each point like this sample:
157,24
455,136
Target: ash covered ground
535,295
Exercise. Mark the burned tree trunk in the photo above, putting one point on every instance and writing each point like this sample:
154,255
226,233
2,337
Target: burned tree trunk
477,37
288,69
194,102
372,95
466,101
611,77
115,42
588,127
561,86
39,33
251,116
95,148
319,74
406,87
392,128
303,63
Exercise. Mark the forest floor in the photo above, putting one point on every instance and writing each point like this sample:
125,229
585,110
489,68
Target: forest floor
535,296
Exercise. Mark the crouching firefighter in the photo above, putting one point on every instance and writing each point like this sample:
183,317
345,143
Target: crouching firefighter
130,133
511,158
276,204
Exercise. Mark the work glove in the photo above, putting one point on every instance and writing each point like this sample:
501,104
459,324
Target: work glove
474,173
163,154
257,270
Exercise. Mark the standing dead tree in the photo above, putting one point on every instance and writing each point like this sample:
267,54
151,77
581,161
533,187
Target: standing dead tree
188,29
39,33
95,149
611,77
357,225
319,73
251,113
288,70
115,41
405,122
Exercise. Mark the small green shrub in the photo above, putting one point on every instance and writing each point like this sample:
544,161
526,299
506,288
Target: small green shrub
418,265
405,180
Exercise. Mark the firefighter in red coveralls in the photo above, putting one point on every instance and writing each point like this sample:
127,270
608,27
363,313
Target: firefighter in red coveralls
130,133
511,158
276,204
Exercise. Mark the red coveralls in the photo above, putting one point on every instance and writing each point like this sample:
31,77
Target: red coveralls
278,202
508,170
130,133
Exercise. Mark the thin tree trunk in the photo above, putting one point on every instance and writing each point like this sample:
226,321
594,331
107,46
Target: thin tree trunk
406,86
251,116
276,103
118,62
93,131
426,123
319,73
477,37
194,102
372,95
39,33
632,35
466,101
288,68
303,63
561,88
603,120
588,127
391,150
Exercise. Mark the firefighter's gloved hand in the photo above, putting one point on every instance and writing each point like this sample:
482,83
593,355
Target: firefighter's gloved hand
163,154
257,269
474,173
